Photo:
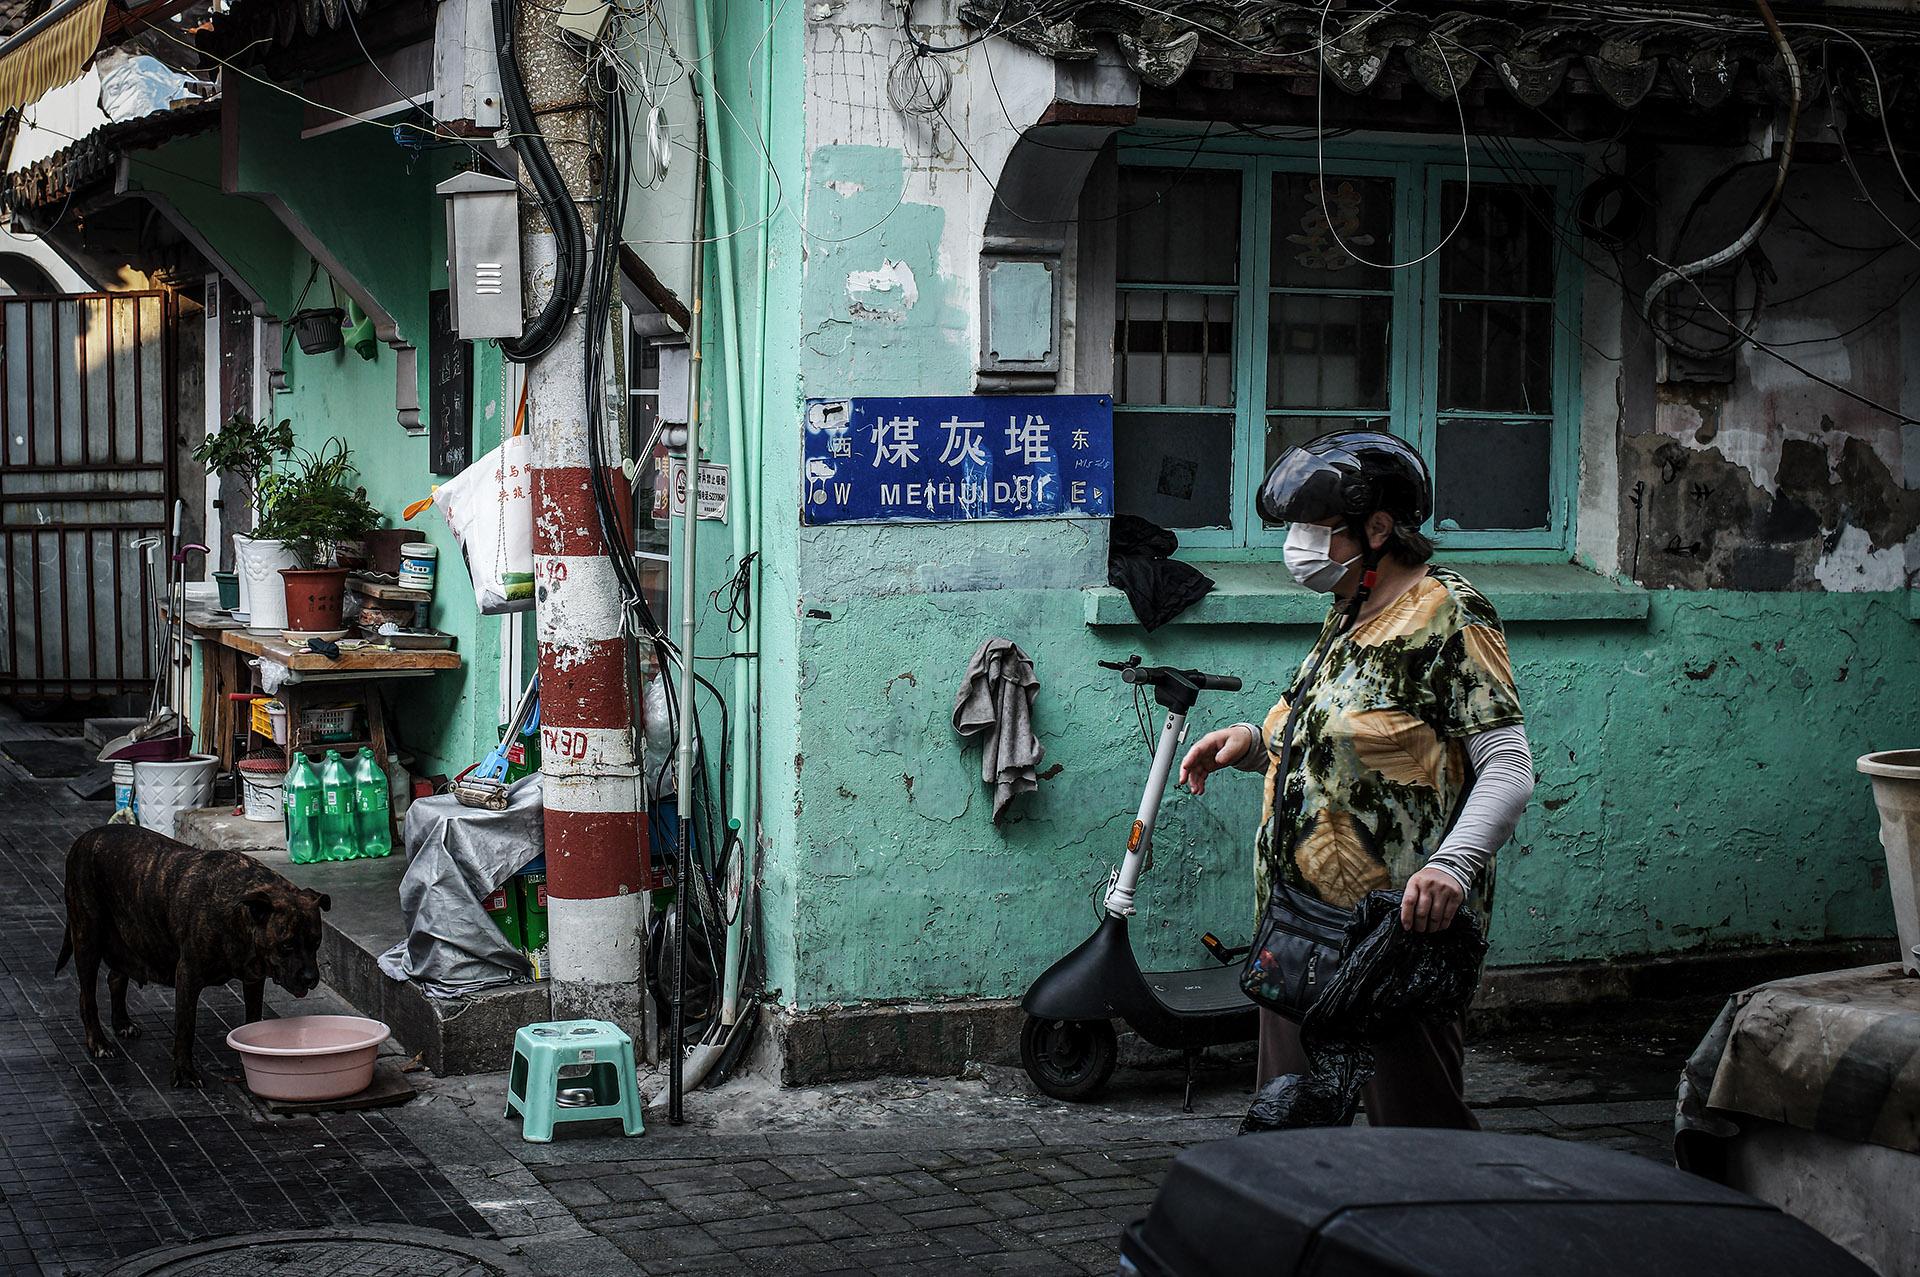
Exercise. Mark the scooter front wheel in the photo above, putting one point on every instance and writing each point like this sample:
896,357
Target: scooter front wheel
1069,1059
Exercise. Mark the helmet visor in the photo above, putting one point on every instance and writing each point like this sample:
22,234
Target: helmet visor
1305,487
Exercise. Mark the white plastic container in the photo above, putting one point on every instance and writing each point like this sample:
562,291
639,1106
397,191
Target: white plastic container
419,563
1896,792
167,789
263,794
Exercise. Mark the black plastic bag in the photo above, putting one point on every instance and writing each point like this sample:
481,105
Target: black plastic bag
1387,978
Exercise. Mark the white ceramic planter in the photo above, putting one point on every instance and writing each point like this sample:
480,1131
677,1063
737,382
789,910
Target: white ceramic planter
260,564
1896,792
243,609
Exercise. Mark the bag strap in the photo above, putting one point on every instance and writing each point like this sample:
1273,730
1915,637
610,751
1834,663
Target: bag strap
1349,617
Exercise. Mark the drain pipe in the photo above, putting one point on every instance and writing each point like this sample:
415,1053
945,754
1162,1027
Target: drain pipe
702,1058
677,1061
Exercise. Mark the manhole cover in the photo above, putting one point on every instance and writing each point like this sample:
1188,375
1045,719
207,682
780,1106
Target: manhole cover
327,1252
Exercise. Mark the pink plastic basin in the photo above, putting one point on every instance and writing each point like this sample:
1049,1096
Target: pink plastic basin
309,1057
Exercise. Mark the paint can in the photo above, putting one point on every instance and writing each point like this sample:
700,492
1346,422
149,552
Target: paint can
418,562
263,789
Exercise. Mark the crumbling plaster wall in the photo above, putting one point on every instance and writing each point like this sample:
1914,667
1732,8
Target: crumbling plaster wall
1770,480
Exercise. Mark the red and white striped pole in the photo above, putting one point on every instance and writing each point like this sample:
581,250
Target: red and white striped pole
595,827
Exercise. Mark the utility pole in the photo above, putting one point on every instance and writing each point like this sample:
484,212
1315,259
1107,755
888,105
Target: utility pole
595,823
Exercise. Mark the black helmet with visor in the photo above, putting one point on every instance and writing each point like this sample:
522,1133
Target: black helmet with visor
1347,475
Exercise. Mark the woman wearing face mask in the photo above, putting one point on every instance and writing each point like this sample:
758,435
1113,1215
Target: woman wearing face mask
1407,694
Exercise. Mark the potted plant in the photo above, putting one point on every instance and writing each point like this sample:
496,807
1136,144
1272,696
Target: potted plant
247,449
314,507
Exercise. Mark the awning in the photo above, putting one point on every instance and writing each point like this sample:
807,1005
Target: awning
50,51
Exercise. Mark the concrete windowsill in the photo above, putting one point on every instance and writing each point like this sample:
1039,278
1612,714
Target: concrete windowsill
1262,594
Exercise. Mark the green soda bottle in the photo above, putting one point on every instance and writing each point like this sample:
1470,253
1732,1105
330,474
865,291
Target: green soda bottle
372,809
303,810
338,839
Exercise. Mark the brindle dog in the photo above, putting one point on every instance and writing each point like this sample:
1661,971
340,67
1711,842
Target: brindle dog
161,912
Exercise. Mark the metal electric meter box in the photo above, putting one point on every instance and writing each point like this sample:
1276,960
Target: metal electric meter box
483,255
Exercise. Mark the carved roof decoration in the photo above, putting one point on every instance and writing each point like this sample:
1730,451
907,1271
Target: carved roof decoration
1699,55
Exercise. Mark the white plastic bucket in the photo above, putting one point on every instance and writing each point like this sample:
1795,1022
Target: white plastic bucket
167,789
263,795
1896,792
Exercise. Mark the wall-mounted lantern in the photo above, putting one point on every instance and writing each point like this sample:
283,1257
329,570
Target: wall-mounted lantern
483,255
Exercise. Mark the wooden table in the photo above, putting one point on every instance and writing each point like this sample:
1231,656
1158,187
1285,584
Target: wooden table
351,681
313,682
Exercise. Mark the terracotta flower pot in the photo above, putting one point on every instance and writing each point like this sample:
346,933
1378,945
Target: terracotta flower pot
314,598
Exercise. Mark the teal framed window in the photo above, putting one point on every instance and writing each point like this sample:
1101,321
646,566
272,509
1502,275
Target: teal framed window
1253,313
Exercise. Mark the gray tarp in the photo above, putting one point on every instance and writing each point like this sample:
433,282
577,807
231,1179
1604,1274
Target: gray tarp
1836,1052
457,856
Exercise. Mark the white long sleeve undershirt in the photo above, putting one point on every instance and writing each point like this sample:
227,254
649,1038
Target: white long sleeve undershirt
1503,782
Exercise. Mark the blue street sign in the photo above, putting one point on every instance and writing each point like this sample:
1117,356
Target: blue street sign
964,457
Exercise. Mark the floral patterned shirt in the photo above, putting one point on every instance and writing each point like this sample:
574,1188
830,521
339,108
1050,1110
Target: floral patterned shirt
1379,754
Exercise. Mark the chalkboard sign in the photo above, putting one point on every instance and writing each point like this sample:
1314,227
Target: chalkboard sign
449,390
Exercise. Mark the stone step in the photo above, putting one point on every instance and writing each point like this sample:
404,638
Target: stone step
453,1036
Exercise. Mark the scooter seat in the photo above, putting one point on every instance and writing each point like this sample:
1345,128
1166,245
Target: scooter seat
1201,990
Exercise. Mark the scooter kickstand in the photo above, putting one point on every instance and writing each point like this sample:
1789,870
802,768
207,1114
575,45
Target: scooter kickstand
1193,1063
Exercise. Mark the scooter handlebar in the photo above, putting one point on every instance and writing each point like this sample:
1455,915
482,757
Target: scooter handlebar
1132,671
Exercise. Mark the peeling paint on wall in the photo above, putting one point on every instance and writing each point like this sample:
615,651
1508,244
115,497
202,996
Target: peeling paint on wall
887,293
876,256
1708,505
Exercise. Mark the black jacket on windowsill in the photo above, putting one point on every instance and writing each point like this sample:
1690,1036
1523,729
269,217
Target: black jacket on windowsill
1159,588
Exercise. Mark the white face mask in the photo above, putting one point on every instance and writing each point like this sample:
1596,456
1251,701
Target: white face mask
1309,560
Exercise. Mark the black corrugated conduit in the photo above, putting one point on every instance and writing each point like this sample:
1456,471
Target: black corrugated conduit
570,240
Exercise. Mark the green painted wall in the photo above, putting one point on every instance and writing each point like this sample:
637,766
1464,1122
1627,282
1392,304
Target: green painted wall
381,219
1697,787
1697,784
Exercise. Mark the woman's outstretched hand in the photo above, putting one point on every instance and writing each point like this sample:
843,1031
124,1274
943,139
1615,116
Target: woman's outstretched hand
1221,748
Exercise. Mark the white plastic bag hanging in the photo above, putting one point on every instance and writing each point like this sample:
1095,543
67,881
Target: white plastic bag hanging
489,510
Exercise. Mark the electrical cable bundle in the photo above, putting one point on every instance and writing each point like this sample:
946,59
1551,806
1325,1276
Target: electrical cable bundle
570,246
714,842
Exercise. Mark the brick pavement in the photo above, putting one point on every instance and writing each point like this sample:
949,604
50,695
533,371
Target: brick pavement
976,1175
104,1159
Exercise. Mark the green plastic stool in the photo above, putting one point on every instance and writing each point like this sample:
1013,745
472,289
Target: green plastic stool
540,1051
